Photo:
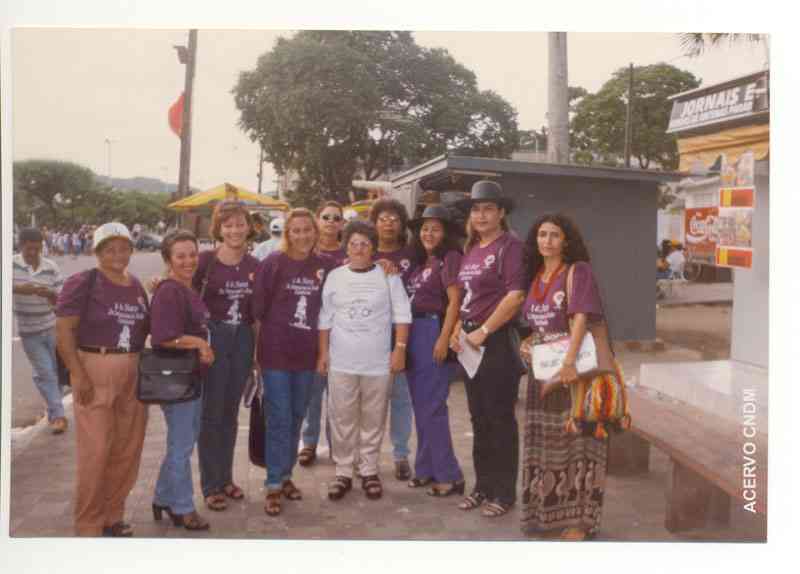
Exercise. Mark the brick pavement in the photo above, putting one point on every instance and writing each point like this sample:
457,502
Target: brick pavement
43,470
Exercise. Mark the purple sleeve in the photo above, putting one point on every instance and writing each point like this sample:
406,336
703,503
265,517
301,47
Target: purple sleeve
514,265
262,287
452,263
167,313
585,296
71,299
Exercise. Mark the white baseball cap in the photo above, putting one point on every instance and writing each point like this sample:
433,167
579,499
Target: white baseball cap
276,225
110,231
350,214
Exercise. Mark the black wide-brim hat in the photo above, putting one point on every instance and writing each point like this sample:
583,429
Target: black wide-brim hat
486,191
439,212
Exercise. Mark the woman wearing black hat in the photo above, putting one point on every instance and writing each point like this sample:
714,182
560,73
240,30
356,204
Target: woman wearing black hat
492,277
435,297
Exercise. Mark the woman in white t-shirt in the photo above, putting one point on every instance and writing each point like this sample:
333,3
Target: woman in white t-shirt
360,306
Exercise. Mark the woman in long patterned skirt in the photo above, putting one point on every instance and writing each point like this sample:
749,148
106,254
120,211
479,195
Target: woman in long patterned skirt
563,473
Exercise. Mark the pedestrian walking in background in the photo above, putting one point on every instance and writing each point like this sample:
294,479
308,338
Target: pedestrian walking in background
563,473
330,220
435,297
361,306
225,279
103,321
390,219
266,247
37,282
180,321
286,303
492,277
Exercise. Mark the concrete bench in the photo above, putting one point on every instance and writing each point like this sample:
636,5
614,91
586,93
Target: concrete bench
715,461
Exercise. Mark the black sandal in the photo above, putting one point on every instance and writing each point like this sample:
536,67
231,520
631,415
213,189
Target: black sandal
455,487
472,501
495,509
372,487
419,482
307,456
118,530
340,486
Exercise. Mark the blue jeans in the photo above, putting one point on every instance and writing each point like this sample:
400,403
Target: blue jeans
41,351
401,416
285,402
311,426
174,485
222,393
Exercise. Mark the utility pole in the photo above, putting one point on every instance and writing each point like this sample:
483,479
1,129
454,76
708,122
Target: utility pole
186,125
557,99
628,118
260,166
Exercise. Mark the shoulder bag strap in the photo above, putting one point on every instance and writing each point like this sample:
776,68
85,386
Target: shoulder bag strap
207,274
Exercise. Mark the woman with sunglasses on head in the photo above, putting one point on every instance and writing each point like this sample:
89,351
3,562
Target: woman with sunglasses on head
330,220
180,321
492,277
361,307
225,279
390,219
288,293
435,296
563,472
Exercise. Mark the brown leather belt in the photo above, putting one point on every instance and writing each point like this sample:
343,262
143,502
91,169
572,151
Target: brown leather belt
106,350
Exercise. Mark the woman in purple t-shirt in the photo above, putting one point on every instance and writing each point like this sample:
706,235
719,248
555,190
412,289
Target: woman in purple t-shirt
563,473
435,297
180,320
288,294
225,278
491,276
102,323
330,220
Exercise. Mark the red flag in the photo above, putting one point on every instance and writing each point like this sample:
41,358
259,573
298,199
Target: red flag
176,116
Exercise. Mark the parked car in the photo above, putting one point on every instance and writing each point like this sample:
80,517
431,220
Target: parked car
149,242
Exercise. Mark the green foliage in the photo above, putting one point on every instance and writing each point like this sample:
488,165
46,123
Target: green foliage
67,195
332,106
597,129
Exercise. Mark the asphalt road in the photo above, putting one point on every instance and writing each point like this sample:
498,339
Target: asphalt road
27,406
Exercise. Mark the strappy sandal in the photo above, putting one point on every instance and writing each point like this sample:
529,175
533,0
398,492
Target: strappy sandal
495,509
307,456
290,491
233,491
191,521
272,504
216,502
419,482
573,534
446,489
372,487
118,530
340,486
472,501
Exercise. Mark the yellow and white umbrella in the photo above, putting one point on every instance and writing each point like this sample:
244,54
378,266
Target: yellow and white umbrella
210,197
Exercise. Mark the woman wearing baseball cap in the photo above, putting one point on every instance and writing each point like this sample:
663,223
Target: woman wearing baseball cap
102,322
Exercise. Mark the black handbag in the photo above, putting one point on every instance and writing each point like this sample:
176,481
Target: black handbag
168,376
258,427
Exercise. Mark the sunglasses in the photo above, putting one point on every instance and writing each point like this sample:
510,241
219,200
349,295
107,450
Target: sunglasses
357,244
328,217
388,219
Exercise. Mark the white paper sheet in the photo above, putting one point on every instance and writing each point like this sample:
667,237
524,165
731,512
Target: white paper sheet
469,357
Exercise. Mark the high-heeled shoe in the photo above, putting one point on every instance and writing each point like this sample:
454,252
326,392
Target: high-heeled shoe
455,487
158,511
190,521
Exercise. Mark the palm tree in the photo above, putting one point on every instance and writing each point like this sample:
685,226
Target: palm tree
694,44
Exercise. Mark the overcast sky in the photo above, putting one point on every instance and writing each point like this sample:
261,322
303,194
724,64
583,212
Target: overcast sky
73,88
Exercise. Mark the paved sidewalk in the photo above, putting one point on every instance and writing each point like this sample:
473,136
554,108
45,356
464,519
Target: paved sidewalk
43,473
688,293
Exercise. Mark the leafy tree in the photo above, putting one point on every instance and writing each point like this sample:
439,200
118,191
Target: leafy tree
331,106
598,125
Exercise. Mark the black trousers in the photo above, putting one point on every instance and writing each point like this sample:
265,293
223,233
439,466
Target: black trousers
491,396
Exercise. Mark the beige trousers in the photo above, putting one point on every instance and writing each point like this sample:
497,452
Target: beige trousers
109,434
359,405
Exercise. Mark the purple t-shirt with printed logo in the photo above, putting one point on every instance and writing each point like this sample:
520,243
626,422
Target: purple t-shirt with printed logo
552,314
177,310
403,258
481,281
338,256
116,315
229,287
427,285
287,300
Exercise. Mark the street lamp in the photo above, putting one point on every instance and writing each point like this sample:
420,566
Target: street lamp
109,141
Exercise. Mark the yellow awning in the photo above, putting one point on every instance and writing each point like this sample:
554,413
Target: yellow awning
732,142
226,191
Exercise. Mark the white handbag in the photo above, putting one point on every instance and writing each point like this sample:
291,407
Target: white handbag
547,358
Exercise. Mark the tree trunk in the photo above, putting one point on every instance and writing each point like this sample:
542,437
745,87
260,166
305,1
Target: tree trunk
557,99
